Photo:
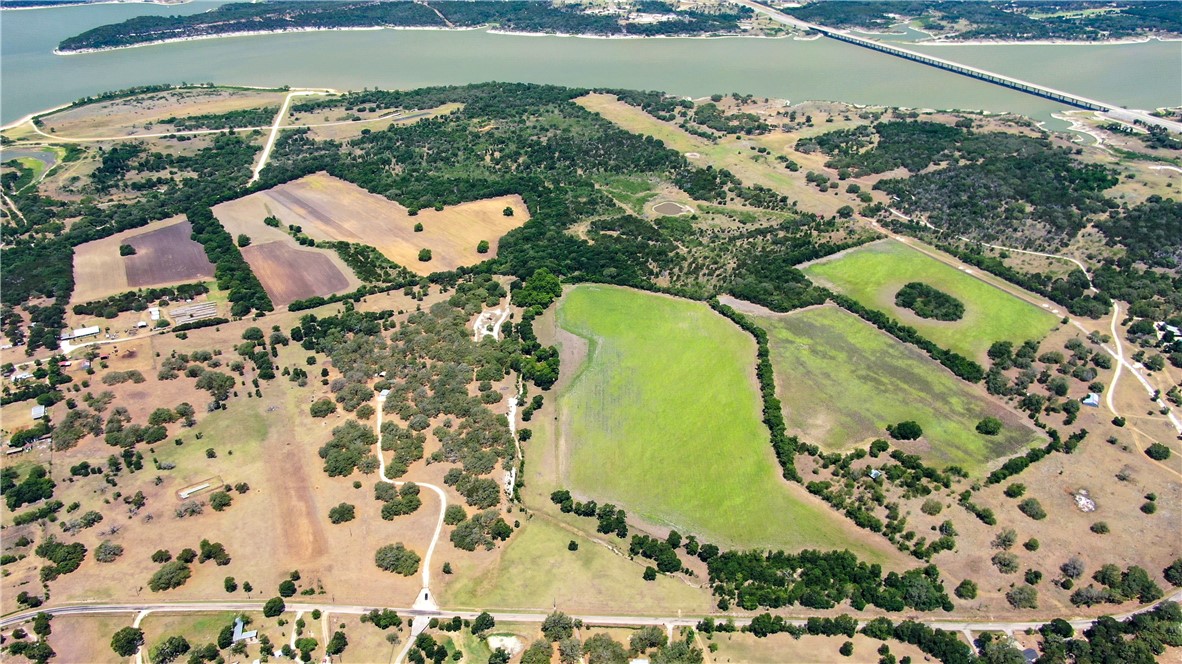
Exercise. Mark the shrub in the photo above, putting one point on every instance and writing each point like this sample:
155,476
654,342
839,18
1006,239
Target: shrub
990,426
126,250
966,590
424,255
558,626
1100,528
905,430
454,514
1173,572
1157,452
1149,507
171,575
161,556
846,649
274,607
287,588
127,641
1015,490
323,408
1005,562
931,507
1033,509
107,551
220,500
1031,544
1023,597
398,559
342,513
482,247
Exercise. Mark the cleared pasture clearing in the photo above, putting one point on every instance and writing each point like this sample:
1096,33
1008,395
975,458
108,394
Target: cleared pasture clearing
289,274
164,255
842,381
137,115
736,155
340,128
663,419
535,570
873,273
328,208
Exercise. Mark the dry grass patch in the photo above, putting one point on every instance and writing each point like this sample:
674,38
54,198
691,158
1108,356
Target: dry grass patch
164,255
328,208
139,114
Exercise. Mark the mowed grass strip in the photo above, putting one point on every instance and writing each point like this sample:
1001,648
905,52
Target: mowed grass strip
842,381
873,273
664,421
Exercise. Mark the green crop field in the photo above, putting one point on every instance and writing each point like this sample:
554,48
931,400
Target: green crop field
872,274
664,420
842,381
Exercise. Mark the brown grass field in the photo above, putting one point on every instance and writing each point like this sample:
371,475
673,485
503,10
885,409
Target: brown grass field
164,255
140,114
287,270
331,209
290,274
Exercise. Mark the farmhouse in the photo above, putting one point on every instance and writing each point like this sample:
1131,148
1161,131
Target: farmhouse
240,635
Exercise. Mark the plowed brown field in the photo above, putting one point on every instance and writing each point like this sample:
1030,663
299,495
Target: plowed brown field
164,255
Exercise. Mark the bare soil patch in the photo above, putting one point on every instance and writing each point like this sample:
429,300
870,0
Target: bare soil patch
164,255
670,208
289,274
328,208
140,114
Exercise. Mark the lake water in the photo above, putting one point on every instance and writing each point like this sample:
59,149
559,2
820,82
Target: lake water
33,78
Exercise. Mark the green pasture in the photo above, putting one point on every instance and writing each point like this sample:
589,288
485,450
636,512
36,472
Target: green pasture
842,381
536,570
873,273
664,420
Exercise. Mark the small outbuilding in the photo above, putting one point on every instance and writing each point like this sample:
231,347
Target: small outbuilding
38,412
1092,400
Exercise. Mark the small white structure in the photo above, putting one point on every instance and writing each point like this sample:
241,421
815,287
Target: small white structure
80,332
154,313
1092,400
38,412
21,377
192,490
141,324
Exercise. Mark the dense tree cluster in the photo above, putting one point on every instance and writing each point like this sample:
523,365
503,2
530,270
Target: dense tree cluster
821,580
929,302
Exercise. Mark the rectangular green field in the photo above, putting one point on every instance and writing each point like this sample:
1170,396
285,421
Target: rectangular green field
873,273
664,420
842,381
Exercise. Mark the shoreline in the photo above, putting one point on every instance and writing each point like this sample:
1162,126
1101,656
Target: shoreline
162,3
486,28
519,33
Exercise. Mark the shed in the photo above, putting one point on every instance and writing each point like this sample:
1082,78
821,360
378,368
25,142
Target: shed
154,313
1092,400
38,412
383,394
21,377
86,331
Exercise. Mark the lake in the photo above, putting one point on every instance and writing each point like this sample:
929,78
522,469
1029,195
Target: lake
33,78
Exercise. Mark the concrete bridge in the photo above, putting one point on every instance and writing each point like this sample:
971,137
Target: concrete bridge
1078,101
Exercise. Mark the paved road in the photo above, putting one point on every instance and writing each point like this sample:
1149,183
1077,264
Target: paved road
525,616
